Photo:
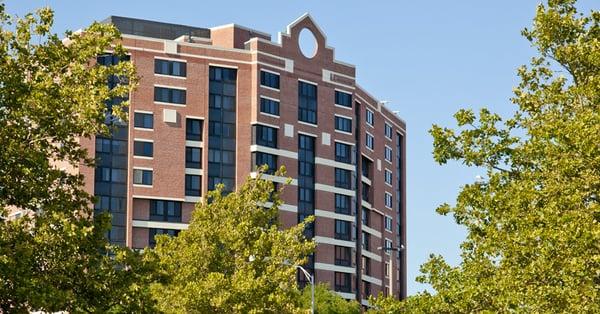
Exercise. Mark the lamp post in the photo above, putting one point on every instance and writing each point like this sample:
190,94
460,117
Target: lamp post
399,249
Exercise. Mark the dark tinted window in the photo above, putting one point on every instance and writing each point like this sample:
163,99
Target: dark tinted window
193,129
343,99
265,136
168,67
143,177
307,102
342,204
270,160
193,185
143,120
170,95
342,282
193,157
154,232
145,149
269,106
165,210
269,79
343,153
342,230
343,178
343,255
343,124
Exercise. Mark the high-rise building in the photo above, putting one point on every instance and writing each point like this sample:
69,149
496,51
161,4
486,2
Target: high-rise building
213,103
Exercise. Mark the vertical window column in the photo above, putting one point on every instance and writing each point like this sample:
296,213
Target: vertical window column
306,191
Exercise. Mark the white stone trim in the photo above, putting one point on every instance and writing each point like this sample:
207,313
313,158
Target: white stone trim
343,116
170,86
371,231
333,215
366,180
371,255
333,163
333,189
158,224
192,199
199,144
332,241
264,124
160,198
336,268
274,151
372,280
194,171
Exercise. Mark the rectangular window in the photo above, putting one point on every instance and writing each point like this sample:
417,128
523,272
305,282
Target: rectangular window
343,178
265,136
366,266
342,229
193,185
388,131
388,200
388,177
370,141
193,129
343,153
193,157
366,167
269,79
343,124
143,120
366,289
269,106
366,213
142,177
388,223
366,192
170,95
369,117
387,269
307,102
342,282
165,211
343,256
388,246
154,232
145,149
168,67
343,99
388,154
260,159
365,241
342,204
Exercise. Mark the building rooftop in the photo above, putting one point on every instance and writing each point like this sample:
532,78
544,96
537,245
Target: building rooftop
146,28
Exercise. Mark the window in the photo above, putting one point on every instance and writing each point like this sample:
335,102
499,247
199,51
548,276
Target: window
269,79
365,216
143,120
388,177
193,185
193,157
388,200
343,178
343,153
388,154
154,232
388,131
366,167
260,159
170,95
165,211
307,102
342,230
168,67
366,192
269,106
388,246
343,99
343,256
366,289
142,176
342,282
366,266
343,124
365,241
102,145
388,223
342,204
387,269
265,136
369,117
193,129
370,141
144,149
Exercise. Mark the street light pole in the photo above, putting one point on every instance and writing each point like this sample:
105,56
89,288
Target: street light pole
311,279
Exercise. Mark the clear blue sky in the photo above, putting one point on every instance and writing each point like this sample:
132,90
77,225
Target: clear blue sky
429,58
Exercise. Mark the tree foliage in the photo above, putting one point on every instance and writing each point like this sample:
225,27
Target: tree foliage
51,96
533,223
328,302
234,257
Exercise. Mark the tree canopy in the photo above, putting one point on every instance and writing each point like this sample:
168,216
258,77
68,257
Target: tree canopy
533,221
234,257
51,96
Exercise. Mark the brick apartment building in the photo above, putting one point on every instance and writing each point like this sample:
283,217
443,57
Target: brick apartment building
213,103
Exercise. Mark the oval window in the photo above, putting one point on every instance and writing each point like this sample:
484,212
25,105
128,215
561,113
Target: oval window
307,43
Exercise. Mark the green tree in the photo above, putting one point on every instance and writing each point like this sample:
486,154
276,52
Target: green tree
234,257
51,96
328,302
533,222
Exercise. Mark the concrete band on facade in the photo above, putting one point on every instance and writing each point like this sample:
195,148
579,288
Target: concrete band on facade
210,79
